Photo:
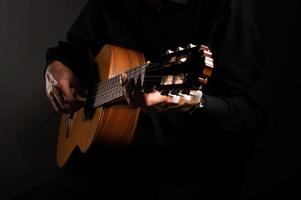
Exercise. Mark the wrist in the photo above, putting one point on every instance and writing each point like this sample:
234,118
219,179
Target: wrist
200,106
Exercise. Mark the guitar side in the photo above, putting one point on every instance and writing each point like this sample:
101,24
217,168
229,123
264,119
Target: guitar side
110,125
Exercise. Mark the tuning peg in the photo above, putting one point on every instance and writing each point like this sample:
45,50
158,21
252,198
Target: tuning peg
174,98
186,97
182,60
198,94
168,51
180,49
189,46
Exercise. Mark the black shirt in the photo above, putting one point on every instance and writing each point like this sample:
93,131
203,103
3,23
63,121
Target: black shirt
234,93
234,116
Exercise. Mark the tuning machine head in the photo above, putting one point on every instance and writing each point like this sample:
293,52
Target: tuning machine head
180,49
190,46
168,52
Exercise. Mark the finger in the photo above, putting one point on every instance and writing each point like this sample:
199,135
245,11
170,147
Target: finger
56,99
139,81
154,98
73,106
57,104
130,85
125,87
52,102
68,108
187,98
78,96
78,91
51,97
53,91
197,95
50,79
174,100
68,98
128,91
123,79
66,90
137,90
57,94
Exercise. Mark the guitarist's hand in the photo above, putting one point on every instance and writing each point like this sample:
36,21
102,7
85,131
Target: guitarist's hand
154,100
62,88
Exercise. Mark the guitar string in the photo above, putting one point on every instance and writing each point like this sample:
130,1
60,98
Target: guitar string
103,95
148,70
146,79
104,89
113,92
108,95
105,92
145,65
118,76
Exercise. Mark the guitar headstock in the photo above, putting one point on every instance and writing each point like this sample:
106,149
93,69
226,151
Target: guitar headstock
180,70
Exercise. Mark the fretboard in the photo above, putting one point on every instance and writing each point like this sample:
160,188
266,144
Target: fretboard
111,89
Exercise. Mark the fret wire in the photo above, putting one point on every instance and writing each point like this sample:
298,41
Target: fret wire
100,102
101,84
115,91
111,88
105,91
111,85
117,76
103,88
110,91
135,75
142,74
104,83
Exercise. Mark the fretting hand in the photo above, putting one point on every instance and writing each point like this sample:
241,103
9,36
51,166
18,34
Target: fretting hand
154,100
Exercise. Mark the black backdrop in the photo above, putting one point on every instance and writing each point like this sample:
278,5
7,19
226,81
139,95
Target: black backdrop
28,126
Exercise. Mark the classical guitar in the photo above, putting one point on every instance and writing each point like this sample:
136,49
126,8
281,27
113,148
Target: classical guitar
106,119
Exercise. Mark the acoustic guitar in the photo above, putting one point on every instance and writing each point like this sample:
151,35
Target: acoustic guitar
105,118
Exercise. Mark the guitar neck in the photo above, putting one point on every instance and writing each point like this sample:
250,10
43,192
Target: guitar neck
111,89
180,72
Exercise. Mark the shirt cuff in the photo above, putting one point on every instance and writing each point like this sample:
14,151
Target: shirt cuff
213,108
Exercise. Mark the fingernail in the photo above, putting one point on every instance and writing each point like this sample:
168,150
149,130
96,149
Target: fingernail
123,78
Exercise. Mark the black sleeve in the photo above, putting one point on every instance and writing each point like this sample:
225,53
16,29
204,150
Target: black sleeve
234,97
87,34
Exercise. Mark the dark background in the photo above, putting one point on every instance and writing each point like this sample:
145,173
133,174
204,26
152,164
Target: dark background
28,126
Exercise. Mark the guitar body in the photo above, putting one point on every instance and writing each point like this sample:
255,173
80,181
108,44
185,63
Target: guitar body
110,125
